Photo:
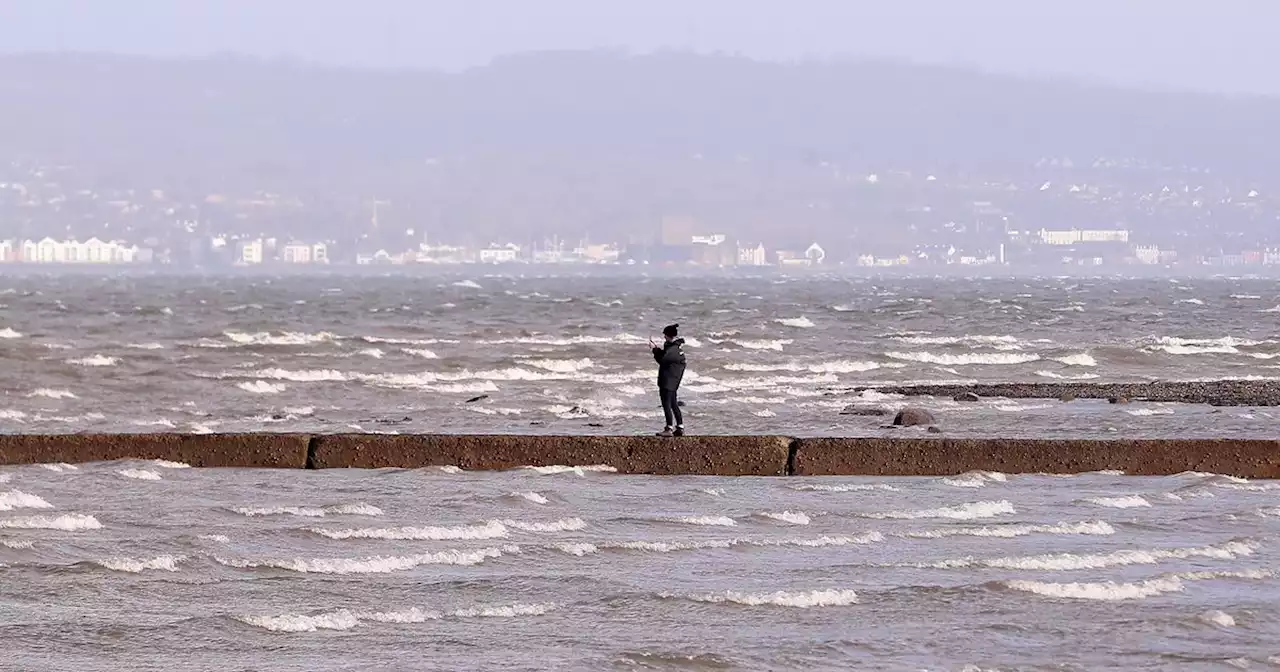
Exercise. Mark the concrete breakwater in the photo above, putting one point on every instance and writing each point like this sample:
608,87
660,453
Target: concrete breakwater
1211,392
697,455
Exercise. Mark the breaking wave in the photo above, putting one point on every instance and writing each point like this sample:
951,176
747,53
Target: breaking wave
799,600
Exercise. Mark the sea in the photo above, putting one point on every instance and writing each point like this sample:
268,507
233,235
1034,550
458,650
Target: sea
146,565
568,353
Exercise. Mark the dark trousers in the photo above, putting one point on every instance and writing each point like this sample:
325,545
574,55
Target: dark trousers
670,407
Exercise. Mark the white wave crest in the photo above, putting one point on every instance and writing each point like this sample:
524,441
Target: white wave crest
71,522
966,511
468,284
791,517
95,360
509,611
975,358
166,563
1059,376
531,497
283,338
140,474
420,352
801,322
8,332
58,467
561,365
776,344
51,394
356,509
17,545
846,487
563,525
1218,618
261,387
799,600
1106,590
1078,561
366,565
167,464
1081,359
578,549
1125,502
489,530
975,479
1097,527
338,620
713,521
554,469
1147,412
17,499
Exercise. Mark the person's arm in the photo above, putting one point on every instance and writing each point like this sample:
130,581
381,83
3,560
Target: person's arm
658,354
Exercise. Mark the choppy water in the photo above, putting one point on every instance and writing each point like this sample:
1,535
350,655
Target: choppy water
147,566
567,353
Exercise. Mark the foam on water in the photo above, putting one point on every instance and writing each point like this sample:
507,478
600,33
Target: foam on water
1097,527
95,360
975,479
554,469
17,499
966,511
167,563
356,509
1079,561
71,522
1104,590
366,565
713,521
1218,618
796,599
140,474
489,530
790,517
531,497
261,387
578,549
9,333
945,359
58,467
1125,502
846,487
51,394
801,322
563,525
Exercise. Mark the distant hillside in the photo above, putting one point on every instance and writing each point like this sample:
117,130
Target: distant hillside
590,139
595,102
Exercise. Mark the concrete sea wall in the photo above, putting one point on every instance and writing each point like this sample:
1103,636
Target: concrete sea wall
698,455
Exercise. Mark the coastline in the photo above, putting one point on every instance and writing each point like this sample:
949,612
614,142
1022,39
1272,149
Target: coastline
692,455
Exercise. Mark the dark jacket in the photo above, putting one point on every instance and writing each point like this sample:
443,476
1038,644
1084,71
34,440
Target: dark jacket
670,359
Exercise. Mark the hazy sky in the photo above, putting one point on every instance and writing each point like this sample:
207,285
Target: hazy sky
1223,45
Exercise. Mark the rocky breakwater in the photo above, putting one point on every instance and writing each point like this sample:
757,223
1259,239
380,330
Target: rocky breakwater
1214,392
197,450
944,457
701,455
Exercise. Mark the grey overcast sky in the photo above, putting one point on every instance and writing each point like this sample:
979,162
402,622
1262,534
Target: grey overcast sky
1218,45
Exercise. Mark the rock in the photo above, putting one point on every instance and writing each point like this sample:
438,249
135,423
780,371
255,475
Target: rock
473,400
911,417
1118,400
1067,397
934,429
968,397
865,411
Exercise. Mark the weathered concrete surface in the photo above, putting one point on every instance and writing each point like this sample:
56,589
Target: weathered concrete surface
1212,392
198,450
940,457
718,455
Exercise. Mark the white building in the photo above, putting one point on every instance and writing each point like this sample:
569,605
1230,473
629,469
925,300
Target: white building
297,253
8,251
250,252
500,254
1271,256
1148,255
752,256
815,254
1074,236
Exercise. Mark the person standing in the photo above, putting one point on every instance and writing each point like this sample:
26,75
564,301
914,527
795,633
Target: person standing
671,364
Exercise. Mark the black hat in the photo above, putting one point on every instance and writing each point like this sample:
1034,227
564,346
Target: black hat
670,330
